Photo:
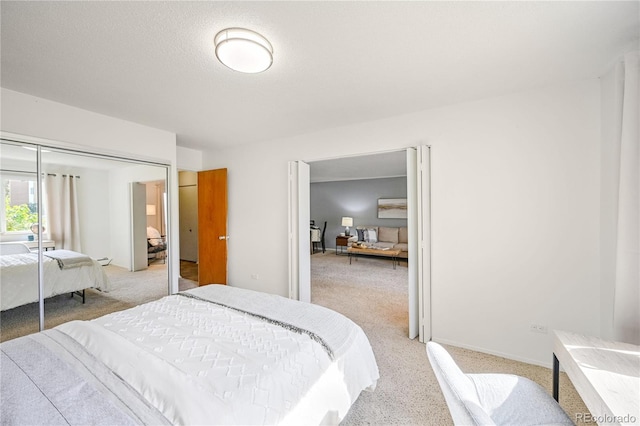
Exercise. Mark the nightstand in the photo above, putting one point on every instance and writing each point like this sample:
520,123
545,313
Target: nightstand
342,241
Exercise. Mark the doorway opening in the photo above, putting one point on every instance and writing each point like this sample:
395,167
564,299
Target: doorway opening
188,207
418,231
350,188
203,226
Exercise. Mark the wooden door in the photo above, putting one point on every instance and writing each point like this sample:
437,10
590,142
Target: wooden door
212,227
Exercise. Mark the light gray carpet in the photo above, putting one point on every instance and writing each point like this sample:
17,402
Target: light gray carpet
374,295
128,289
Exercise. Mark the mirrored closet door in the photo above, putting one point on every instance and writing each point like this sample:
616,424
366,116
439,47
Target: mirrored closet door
19,229
91,233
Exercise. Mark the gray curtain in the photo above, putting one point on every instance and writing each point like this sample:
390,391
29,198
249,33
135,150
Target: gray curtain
61,203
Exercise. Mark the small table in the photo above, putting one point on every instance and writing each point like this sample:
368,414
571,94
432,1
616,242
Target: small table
342,241
605,374
393,254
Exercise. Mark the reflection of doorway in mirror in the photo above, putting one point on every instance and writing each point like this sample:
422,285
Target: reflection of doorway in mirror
188,208
155,196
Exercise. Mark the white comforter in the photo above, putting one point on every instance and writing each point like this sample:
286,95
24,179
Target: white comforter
19,279
202,363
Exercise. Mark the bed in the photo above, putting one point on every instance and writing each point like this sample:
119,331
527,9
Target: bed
211,355
65,271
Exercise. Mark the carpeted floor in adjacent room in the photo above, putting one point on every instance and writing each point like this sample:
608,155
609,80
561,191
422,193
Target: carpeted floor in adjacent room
374,295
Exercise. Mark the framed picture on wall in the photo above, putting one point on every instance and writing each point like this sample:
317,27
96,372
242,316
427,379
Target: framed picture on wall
392,208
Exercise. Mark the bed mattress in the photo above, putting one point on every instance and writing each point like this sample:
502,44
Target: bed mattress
211,355
19,278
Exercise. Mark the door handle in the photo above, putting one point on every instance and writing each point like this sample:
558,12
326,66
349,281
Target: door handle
223,237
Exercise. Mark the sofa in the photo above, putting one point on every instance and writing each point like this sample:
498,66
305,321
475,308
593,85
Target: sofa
385,237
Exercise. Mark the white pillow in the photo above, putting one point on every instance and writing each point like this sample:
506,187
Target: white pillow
6,249
371,236
154,236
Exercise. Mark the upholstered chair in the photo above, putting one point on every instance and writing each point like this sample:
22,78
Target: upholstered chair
492,399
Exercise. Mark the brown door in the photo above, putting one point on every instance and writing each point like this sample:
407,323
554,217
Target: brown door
212,227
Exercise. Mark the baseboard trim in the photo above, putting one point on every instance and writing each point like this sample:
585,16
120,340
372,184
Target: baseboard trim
491,352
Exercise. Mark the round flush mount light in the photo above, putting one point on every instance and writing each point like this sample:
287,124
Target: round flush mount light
243,50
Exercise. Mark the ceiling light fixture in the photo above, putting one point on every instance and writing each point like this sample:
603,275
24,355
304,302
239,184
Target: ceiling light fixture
243,50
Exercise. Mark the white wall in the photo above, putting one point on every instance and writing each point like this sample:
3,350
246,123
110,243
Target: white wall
189,159
75,128
32,116
515,210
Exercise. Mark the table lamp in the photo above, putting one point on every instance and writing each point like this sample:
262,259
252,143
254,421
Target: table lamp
34,229
347,222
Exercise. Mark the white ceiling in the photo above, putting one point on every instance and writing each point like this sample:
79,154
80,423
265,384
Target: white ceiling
336,63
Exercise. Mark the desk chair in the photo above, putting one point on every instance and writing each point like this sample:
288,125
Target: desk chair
156,245
319,239
492,399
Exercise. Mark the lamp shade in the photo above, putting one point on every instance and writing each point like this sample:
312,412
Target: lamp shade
151,209
243,50
34,228
347,221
